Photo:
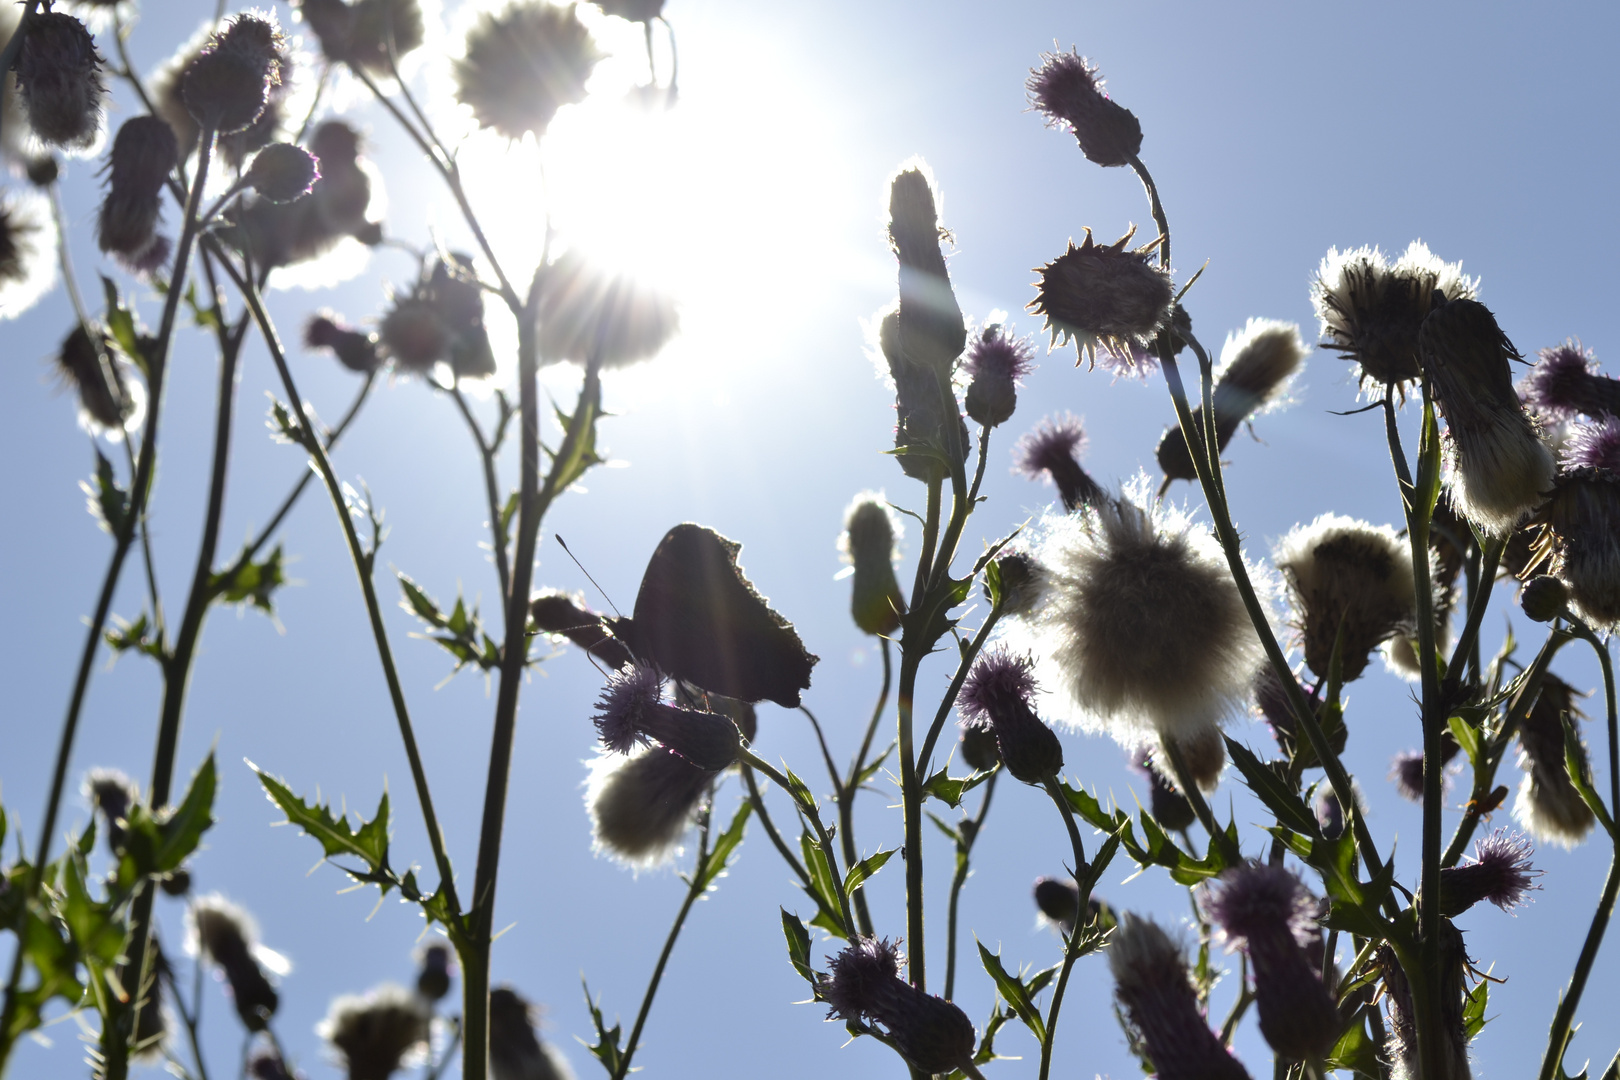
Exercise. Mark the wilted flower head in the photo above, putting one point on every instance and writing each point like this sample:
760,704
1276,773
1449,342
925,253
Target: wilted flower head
1257,366
1500,872
1498,469
27,252
1168,806
374,1032
58,74
1348,581
1371,311
354,350
1054,449
515,1049
227,85
567,616
143,153
1069,91
1548,804
109,399
282,172
631,712
1269,913
1143,627
225,934
585,313
359,33
1106,297
995,364
999,693
867,544
641,805
1564,384
1156,994
524,63
863,985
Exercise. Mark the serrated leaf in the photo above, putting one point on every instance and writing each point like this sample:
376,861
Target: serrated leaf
124,636
564,471
1474,1003
158,844
606,1049
369,843
108,503
865,869
950,789
204,318
823,889
724,845
1014,993
1467,737
253,583
801,793
1575,767
1288,808
121,327
1356,1052
798,943
986,1052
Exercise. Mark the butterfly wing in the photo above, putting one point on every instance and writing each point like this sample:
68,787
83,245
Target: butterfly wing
699,619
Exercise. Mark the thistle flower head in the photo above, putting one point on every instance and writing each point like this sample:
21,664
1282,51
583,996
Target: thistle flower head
1156,994
375,1032
1581,524
566,616
436,963
1068,90
1406,770
113,793
1548,804
867,544
1350,582
227,85
515,1049
1141,626
1058,899
1557,386
1259,900
586,313
283,173
27,252
371,34
996,363
1053,450
630,694
630,712
1594,446
1500,872
143,153
109,398
1105,296
640,806
355,350
863,985
225,934
999,693
524,63
1371,311
282,98
58,72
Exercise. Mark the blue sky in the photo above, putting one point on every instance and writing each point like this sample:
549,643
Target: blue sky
1274,131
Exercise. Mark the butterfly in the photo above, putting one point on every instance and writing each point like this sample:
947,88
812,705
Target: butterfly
700,620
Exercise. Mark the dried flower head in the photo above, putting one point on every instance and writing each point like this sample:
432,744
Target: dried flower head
1142,625
1269,913
1580,525
1548,804
355,350
515,1049
523,64
225,934
1156,994
566,616
1069,91
227,85
27,252
143,153
995,365
931,332
283,173
631,712
1105,296
371,34
867,544
1257,366
1348,581
1053,449
1498,468
999,693
375,1032
1500,872
863,985
1371,311
103,383
585,314
1564,384
641,805
58,72
1168,806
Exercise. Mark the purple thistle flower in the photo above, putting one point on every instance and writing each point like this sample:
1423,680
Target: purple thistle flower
1270,914
1556,386
1407,769
1157,997
995,364
864,986
630,692
1133,361
1054,448
1500,872
1068,90
998,692
629,713
1594,446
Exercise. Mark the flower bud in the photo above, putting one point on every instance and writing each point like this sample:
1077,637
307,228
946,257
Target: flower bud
1548,804
1406,770
864,986
1105,297
266,1064
413,336
1329,814
928,426
1053,449
59,80
437,963
998,692
224,934
1156,996
515,1050
1059,902
143,153
1168,806
1021,581
374,1032
867,545
227,86
282,172
522,64
1544,598
931,329
1069,91
113,793
641,805
105,395
979,750
630,713
1565,383
285,234
354,350
176,882
995,364
1499,872
566,616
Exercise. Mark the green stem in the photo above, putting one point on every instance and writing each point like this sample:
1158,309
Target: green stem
813,816
1071,943
1479,599
770,827
491,490
1558,1039
1157,209
1189,790
1582,631
949,701
965,849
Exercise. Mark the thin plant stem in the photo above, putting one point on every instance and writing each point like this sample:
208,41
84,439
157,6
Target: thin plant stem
1479,599
859,764
813,816
1558,1039
851,786
1189,790
949,701
969,837
978,468
491,489
1157,209
1584,632
449,1051
1071,942
1397,456
770,827
826,754
694,890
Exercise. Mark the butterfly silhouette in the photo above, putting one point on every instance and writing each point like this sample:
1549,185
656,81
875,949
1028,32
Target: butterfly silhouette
700,620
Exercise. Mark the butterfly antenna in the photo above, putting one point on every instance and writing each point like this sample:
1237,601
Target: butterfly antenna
564,545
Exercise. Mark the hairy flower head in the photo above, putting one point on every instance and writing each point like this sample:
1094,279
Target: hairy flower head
1548,804
1156,995
641,805
1500,872
27,252
863,985
1068,90
1105,296
226,935
515,1049
1053,451
1564,384
999,693
377,1032
996,362
58,73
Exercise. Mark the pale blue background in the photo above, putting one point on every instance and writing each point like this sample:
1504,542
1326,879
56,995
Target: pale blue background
1274,130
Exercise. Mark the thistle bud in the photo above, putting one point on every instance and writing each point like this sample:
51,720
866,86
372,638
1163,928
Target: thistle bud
630,712
107,400
284,234
1329,814
113,793
354,350
413,336
864,986
1349,582
59,80
1548,804
1406,770
1058,900
283,173
1069,91
979,749
1256,369
374,1033
1277,710
437,963
143,153
515,1049
1544,598
1020,581
1565,383
928,428
228,84
522,64
1168,806
995,364
176,882
224,934
641,805
1500,872
1156,995
1268,913
931,329
1053,449
1498,467
998,693
1582,523
1105,297
867,544
566,616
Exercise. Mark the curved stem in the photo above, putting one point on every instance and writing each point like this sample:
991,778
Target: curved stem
859,764
851,785
967,836
1189,791
491,489
1479,599
770,826
1397,456
1584,632
1157,210
826,754
813,816
1071,943
949,701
